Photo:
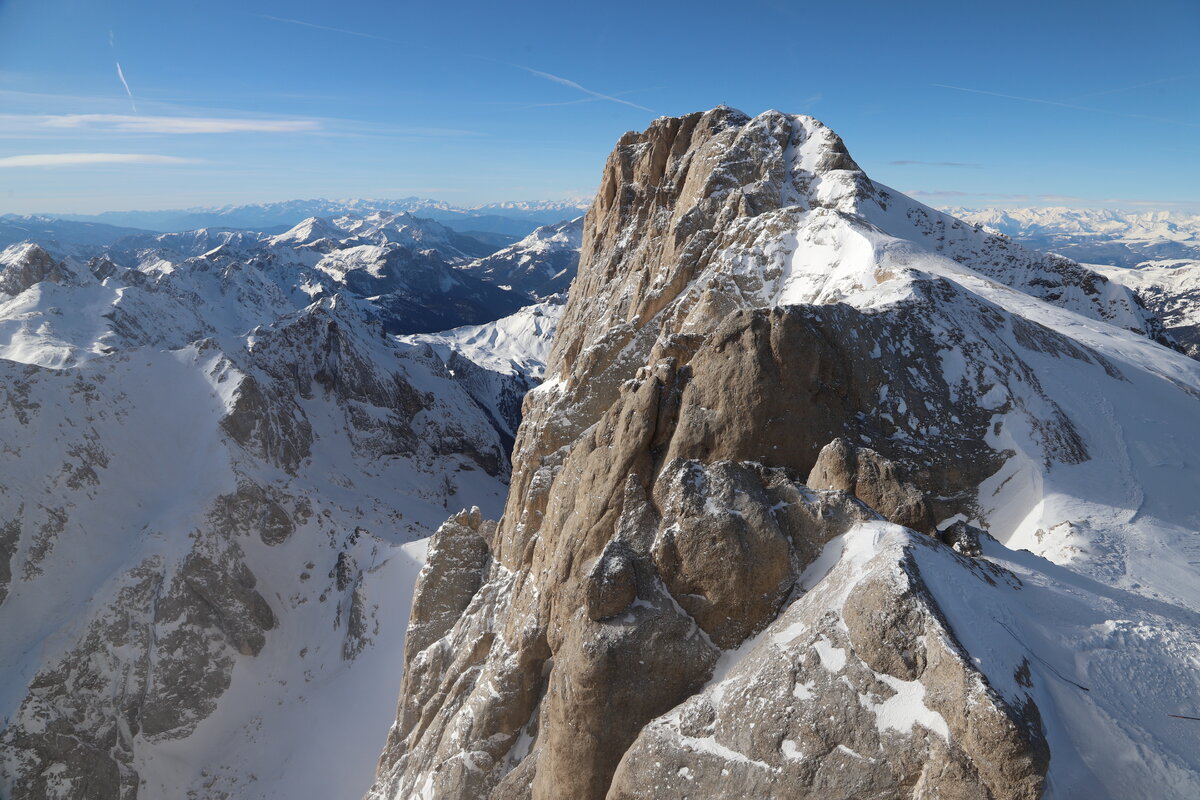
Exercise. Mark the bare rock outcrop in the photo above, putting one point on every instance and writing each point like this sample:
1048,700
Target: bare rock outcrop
24,265
877,481
859,689
718,351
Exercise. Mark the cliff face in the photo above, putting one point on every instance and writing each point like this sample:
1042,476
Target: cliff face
698,587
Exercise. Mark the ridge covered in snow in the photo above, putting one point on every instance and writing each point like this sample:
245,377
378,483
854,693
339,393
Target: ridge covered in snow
499,362
673,609
540,265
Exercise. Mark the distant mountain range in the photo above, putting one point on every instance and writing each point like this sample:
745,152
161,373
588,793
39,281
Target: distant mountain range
1097,236
515,218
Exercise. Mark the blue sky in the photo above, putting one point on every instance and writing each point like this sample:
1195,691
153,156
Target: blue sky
217,102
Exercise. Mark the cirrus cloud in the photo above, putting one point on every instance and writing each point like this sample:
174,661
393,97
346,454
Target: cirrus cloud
128,123
911,163
81,159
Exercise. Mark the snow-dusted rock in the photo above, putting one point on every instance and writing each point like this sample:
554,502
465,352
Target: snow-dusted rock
211,492
746,297
24,265
1171,289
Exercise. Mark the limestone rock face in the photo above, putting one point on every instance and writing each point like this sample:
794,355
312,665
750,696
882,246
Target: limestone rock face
877,481
875,700
454,569
751,312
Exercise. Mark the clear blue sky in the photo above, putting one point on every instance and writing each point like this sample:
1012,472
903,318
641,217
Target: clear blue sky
473,101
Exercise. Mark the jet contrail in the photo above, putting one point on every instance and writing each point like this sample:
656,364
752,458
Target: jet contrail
125,83
341,30
585,90
530,70
1068,105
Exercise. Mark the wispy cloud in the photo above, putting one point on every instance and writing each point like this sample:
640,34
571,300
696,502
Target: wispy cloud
184,125
1020,198
576,101
1072,106
936,193
572,84
910,163
79,159
125,83
1145,85
592,94
103,126
346,31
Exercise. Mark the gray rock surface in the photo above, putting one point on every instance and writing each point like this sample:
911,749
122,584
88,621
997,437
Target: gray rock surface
659,523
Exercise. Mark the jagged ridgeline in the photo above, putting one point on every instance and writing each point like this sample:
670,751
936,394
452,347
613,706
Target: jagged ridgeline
718,572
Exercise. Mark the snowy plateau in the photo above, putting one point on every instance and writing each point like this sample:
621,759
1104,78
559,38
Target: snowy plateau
761,480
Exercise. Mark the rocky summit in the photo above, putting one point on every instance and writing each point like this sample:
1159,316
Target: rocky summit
827,494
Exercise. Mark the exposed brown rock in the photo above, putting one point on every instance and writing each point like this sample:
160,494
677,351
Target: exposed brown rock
658,514
812,691
612,582
454,569
877,481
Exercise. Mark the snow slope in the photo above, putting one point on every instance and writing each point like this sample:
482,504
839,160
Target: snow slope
210,521
499,362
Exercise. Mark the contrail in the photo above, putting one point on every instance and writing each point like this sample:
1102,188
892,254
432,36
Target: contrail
1068,105
584,89
1127,88
555,78
338,30
125,83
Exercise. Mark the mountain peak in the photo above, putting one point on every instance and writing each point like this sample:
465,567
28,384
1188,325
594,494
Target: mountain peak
25,264
767,365
308,231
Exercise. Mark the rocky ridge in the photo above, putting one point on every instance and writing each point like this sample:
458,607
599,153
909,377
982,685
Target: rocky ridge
215,483
698,586
1171,288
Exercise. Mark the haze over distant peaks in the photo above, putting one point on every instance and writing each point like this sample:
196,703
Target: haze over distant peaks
516,218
